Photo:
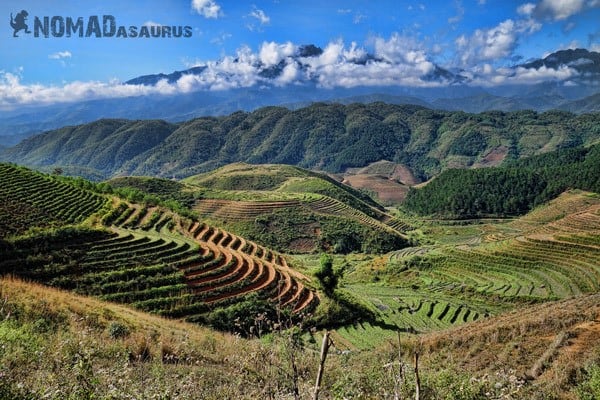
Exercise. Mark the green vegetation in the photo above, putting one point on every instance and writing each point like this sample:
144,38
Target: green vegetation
143,255
511,190
125,242
329,137
29,200
303,212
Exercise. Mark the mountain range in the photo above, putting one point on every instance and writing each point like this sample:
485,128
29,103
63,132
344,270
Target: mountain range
450,90
328,137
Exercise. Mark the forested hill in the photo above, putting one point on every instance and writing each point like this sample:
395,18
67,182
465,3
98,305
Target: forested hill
330,137
509,190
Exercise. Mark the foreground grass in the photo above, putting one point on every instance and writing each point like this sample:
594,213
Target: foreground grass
57,345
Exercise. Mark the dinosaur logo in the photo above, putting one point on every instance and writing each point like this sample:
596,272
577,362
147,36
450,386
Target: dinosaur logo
18,23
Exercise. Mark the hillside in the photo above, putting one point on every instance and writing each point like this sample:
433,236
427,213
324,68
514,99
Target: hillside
122,241
58,345
285,208
512,189
466,271
327,137
72,234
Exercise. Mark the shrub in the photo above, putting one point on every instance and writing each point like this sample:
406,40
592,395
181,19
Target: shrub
590,388
117,330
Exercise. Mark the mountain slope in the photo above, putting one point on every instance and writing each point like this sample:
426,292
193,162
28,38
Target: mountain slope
77,237
330,137
508,190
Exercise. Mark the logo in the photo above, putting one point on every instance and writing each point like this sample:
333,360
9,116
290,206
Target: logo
94,26
18,22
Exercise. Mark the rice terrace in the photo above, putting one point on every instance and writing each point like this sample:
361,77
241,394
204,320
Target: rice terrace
274,200
272,256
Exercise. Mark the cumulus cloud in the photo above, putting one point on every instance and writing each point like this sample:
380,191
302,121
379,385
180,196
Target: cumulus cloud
486,75
206,8
558,10
60,55
494,43
397,60
272,53
14,93
526,9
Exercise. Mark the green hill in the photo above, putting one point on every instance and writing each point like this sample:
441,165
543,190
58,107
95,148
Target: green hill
295,210
74,235
282,207
328,137
513,189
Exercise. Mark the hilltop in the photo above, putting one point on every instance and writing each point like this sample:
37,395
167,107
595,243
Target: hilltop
325,137
285,208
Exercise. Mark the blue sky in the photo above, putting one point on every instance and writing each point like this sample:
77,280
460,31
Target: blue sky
479,37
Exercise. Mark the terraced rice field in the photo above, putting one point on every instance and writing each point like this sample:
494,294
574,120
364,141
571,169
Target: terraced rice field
30,199
233,210
408,310
147,256
554,253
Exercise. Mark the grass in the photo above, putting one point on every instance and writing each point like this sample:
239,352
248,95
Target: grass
473,270
158,261
59,345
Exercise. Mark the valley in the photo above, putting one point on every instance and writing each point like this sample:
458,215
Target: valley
240,248
395,229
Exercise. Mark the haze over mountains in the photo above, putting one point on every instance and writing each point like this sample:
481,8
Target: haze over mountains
564,80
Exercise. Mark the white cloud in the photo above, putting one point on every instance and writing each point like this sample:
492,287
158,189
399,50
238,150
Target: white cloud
558,10
290,74
526,9
206,8
260,16
60,55
272,53
487,76
397,60
494,43
13,93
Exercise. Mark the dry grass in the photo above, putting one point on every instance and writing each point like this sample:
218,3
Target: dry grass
547,343
54,344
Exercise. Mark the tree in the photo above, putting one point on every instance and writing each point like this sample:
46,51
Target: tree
326,276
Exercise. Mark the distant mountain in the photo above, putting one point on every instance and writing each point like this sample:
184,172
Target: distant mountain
481,102
170,78
587,104
301,58
584,61
327,137
448,90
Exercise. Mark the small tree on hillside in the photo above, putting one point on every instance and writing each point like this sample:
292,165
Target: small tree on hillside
326,276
